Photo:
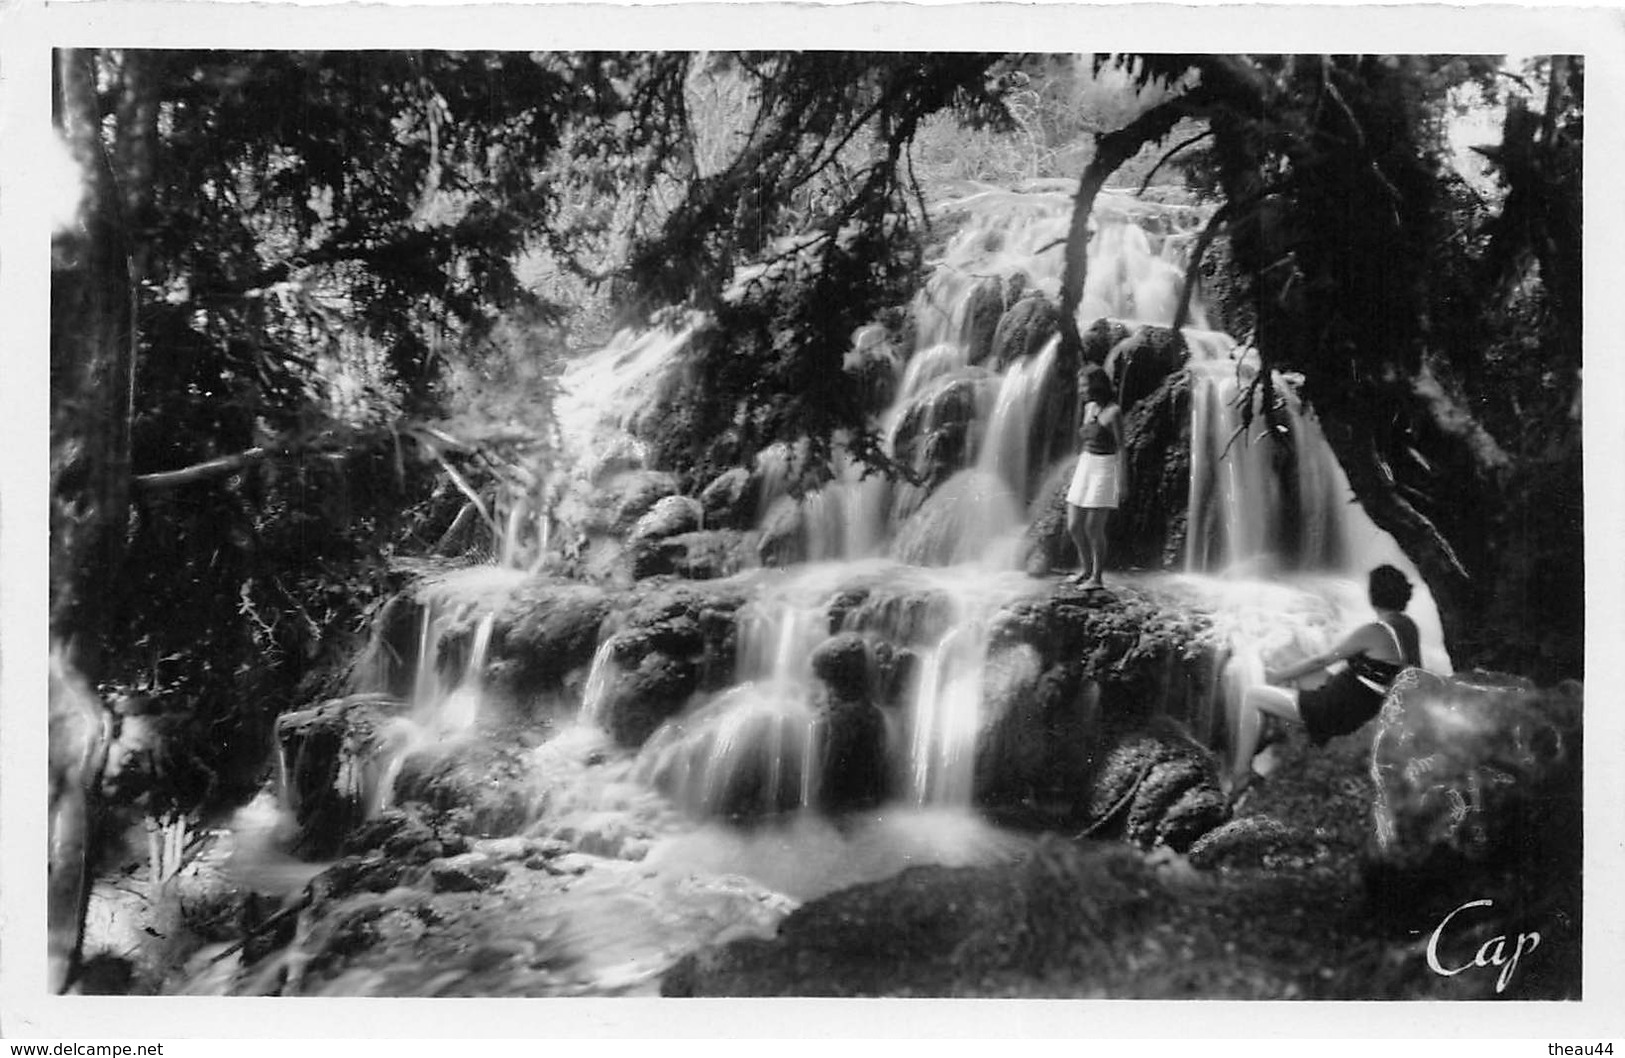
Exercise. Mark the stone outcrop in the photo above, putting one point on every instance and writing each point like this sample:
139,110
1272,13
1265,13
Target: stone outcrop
1024,328
729,501
669,516
677,639
335,757
936,931
548,629
934,435
702,555
484,788
855,764
1139,362
1477,775
1148,530
632,494
1100,337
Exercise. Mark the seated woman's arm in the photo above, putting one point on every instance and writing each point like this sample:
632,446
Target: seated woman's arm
1355,643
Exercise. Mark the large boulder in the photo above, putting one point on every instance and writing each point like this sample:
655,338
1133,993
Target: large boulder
703,555
1033,756
1474,769
1024,328
484,787
855,769
335,758
547,630
675,640
1062,920
633,494
1149,529
669,516
1100,337
729,501
783,540
1148,656
983,309
934,435
1138,364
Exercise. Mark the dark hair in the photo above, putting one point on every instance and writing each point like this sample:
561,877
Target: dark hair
1097,385
1389,589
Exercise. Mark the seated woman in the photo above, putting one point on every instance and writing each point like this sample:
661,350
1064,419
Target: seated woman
1375,653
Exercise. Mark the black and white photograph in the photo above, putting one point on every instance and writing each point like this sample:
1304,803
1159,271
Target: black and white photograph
767,503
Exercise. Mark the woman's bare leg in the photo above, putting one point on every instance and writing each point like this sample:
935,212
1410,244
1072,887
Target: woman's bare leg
1094,525
1075,529
1255,702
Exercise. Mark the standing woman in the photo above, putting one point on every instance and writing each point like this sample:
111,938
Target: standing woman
1097,484
1375,653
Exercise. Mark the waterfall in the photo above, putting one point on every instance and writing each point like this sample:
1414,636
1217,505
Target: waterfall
945,718
940,557
759,745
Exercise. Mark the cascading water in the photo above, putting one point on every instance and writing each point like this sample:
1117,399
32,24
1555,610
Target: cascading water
1278,561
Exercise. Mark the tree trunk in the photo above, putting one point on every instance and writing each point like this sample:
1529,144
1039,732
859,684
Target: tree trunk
1112,149
92,357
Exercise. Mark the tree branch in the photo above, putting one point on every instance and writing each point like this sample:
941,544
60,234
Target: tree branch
209,469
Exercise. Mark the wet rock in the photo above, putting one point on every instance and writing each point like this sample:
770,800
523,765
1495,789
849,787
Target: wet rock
934,436
783,540
332,755
1477,775
901,615
471,873
1024,328
389,660
669,516
676,640
1250,841
1047,546
983,311
619,454
265,925
489,786
706,555
1146,656
547,630
1199,809
1149,529
1152,785
729,501
358,874
611,835
855,766
856,770
842,662
895,669
1139,363
1100,337
1033,755
937,931
634,494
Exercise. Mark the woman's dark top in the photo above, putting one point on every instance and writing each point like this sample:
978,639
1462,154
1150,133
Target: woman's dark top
1346,701
1097,439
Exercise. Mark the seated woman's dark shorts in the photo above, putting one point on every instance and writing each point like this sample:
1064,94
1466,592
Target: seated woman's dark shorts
1341,705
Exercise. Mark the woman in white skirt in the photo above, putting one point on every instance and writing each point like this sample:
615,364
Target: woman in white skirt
1097,484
